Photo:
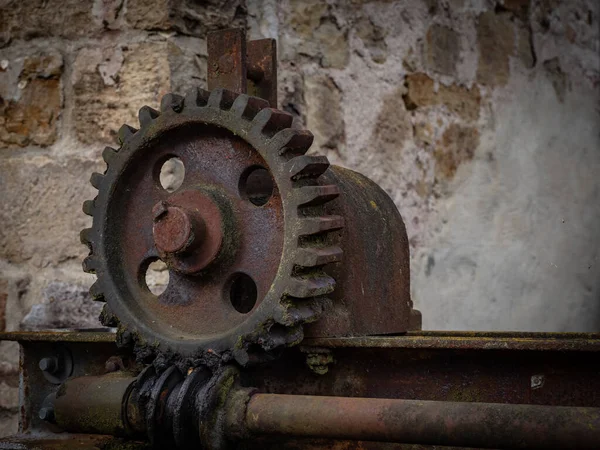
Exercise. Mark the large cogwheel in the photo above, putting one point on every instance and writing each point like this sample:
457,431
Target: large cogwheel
245,237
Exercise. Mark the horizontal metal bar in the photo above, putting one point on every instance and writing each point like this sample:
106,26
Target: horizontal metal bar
480,425
422,339
468,341
87,336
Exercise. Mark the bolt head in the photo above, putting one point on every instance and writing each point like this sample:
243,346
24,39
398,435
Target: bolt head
48,364
47,414
111,366
173,230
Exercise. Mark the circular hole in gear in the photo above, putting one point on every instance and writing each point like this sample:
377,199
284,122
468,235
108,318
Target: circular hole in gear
242,293
256,185
172,173
157,277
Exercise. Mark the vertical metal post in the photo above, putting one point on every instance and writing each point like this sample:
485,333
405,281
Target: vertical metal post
227,60
243,67
262,70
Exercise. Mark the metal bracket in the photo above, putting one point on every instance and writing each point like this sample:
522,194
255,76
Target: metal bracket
240,66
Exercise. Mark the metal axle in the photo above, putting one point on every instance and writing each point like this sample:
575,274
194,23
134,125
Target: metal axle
221,412
479,425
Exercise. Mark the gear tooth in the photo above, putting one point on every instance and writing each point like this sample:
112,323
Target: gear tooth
222,98
125,133
96,179
96,292
88,207
316,195
146,115
85,237
303,310
310,285
89,264
315,257
292,142
315,225
171,102
247,107
281,336
270,121
307,166
107,318
109,154
196,97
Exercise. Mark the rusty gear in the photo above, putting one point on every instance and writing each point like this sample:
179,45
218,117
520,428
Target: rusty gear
227,239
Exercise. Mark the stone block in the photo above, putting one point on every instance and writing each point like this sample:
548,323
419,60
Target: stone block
519,7
456,147
393,127
9,423
421,93
373,38
324,117
40,208
112,84
30,103
42,18
190,18
312,31
110,13
9,397
496,41
442,49
9,355
64,306
187,57
8,369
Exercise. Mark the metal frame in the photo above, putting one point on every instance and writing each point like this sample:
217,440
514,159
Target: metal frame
514,381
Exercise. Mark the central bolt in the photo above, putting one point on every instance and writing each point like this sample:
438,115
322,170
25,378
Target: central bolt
188,230
175,230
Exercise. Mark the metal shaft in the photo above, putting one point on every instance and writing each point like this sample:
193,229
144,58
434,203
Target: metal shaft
481,425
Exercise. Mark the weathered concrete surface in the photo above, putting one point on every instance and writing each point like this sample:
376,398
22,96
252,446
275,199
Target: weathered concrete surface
518,244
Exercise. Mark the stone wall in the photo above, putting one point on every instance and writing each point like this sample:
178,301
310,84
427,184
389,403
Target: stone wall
480,118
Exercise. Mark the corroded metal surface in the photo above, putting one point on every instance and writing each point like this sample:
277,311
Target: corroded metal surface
70,441
215,412
457,340
577,342
94,404
253,291
478,425
373,282
262,70
252,237
542,374
89,357
544,377
243,67
59,336
227,60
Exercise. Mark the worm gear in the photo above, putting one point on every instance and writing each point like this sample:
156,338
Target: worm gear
245,238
